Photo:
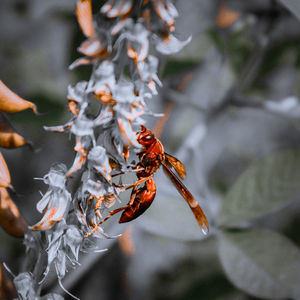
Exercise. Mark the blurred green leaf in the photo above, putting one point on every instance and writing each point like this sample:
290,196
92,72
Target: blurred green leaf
175,66
280,55
216,38
239,48
293,6
236,46
265,186
262,263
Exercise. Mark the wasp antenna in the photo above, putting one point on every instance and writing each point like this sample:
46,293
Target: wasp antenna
143,128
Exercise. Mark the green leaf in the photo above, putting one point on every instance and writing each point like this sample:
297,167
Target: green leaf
175,66
293,6
267,185
262,263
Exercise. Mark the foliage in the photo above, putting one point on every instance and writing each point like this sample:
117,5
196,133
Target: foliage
232,116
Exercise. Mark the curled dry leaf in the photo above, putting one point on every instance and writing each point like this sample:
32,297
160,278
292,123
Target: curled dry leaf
85,17
7,289
4,173
10,102
10,217
8,137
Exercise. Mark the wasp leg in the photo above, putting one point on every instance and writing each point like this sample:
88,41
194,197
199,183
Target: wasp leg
117,174
113,212
137,183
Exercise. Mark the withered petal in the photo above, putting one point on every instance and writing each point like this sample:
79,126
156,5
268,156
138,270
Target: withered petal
171,44
114,9
85,17
57,206
166,13
82,61
91,47
127,132
78,162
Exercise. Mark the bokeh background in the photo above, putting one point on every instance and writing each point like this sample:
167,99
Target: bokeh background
235,126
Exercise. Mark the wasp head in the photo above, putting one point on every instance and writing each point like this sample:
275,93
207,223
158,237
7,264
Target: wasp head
145,137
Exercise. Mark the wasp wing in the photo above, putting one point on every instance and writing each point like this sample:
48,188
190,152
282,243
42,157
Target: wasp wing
193,204
176,164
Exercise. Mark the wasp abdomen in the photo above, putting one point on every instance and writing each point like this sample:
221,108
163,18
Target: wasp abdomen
143,199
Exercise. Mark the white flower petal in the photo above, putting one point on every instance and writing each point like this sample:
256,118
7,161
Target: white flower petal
171,45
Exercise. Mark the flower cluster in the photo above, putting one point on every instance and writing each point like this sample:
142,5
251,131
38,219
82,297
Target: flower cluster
106,113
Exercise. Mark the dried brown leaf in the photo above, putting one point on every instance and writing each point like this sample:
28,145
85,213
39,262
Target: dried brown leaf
8,137
85,17
10,217
10,102
7,289
4,173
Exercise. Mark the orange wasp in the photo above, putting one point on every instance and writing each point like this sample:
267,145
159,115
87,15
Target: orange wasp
150,159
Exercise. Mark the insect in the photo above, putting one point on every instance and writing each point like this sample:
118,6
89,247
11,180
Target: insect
151,158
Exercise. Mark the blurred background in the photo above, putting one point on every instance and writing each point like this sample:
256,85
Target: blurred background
235,126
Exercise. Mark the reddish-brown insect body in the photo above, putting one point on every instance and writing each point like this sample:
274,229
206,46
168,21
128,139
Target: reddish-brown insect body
149,163
151,158
143,199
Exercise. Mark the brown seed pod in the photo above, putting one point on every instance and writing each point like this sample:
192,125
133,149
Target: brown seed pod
10,102
10,217
85,17
9,138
